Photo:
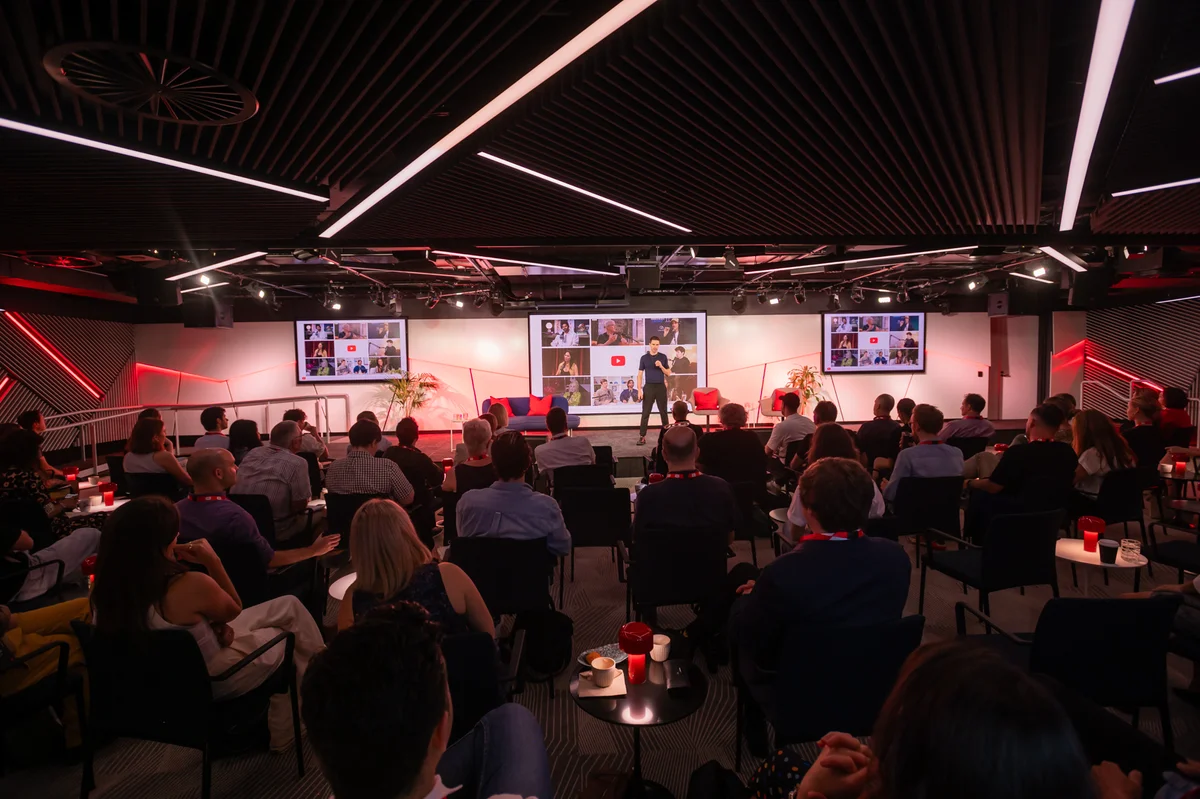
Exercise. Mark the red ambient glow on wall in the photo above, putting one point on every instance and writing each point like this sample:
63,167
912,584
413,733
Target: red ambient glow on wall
42,343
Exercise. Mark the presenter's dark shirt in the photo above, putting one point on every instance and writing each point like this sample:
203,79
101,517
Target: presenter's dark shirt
701,502
1042,473
734,455
653,373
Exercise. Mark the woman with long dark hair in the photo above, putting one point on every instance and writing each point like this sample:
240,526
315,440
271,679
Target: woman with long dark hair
21,480
141,585
830,440
243,437
1100,449
147,452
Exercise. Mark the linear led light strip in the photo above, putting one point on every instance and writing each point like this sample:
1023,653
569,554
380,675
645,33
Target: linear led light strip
1157,187
1178,299
155,159
209,268
591,36
1187,73
1030,277
1058,256
6,385
45,346
202,288
1106,51
524,263
857,260
582,191
1121,372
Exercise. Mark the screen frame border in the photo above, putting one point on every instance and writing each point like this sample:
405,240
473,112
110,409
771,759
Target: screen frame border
874,370
403,320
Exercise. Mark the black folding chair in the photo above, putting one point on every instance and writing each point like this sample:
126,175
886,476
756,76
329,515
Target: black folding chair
673,566
969,445
512,576
925,503
314,472
1019,551
604,455
754,523
116,473
587,476
859,667
142,484
12,582
340,510
595,517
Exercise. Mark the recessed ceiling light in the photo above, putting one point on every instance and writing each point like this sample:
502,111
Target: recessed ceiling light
337,306
205,279
1058,256
1106,51
1187,73
202,288
156,159
210,267
458,303
1031,277
1041,270
773,301
1157,187
262,293
885,298
896,256
592,35
597,271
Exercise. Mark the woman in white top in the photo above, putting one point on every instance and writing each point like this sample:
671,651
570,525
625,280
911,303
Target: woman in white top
1101,450
147,452
141,586
829,441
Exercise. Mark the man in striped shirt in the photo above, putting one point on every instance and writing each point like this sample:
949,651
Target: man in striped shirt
360,472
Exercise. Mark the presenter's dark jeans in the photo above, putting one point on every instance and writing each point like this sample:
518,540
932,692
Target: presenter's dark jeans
653,393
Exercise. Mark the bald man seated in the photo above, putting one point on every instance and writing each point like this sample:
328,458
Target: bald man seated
209,514
687,499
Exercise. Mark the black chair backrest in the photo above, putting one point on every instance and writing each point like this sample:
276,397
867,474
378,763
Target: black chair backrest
970,445
473,674
678,565
340,510
116,472
604,455
1120,497
1112,651
859,666
28,515
923,502
512,576
587,476
595,517
1180,436
314,472
155,688
143,484
746,495
246,570
1020,550
259,507
449,517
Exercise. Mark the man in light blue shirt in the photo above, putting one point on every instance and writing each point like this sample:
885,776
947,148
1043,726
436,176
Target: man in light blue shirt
509,508
930,457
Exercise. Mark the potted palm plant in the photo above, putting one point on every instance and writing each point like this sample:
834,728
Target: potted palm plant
409,390
805,381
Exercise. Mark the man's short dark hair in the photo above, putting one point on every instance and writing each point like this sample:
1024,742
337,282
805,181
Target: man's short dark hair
825,411
928,418
680,349
1049,415
975,402
367,416
679,411
407,431
886,401
837,492
905,406
511,455
28,419
372,701
209,417
294,415
1174,398
790,402
654,338
556,420
364,434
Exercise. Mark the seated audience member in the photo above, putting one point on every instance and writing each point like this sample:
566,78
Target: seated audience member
687,499
141,585
34,422
509,508
147,452
420,470
392,565
369,416
825,412
243,437
310,437
679,416
209,514
562,449
17,555
460,449
360,472
792,427
1064,433
1072,405
1142,431
476,470
1030,477
832,441
213,421
376,704
930,458
21,481
276,471
1174,416
1100,449
879,439
500,414
733,453
904,411
972,424
23,634
152,413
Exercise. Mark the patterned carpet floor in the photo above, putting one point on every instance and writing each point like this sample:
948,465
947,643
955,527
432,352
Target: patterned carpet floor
578,745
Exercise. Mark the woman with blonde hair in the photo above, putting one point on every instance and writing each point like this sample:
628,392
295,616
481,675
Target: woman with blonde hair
392,565
500,414
1100,449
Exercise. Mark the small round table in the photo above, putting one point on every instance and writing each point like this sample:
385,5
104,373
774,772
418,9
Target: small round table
339,587
1072,549
646,705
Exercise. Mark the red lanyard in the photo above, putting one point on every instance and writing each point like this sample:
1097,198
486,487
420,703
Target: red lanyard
1041,440
683,475
207,497
839,536
484,456
927,443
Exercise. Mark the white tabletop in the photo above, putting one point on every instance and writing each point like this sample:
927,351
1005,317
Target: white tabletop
82,511
1072,549
316,504
341,585
780,515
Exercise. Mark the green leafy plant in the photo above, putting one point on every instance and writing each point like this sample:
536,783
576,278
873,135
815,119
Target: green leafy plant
409,390
805,381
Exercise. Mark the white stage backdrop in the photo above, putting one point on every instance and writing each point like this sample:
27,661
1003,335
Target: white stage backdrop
475,358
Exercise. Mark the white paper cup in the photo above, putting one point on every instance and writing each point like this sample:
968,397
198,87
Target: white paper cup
662,648
95,502
604,670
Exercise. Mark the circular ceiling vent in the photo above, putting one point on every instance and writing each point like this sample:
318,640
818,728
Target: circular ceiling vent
150,83
60,261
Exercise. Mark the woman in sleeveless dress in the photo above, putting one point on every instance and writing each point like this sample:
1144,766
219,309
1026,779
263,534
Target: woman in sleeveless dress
141,585
392,565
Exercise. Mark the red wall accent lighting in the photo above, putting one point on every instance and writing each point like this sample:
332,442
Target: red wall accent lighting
1108,367
42,343
6,385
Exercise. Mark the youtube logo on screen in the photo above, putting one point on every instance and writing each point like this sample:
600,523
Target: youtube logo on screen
872,339
618,360
351,348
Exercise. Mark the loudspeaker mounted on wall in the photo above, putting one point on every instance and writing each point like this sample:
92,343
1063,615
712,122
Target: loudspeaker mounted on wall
998,303
643,277
207,312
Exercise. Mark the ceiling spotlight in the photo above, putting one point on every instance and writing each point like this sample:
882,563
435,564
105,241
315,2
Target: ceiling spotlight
773,301
737,301
973,285
856,294
731,261
884,298
332,301
205,279
1039,272
458,303
479,300
835,302
337,306
496,300
902,295
1136,251
431,301
762,297
262,294
800,296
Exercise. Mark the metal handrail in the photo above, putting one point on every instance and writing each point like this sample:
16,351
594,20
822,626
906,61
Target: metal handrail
85,426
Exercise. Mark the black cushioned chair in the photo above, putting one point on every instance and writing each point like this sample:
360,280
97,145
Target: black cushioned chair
116,473
595,517
142,484
673,566
340,510
969,445
314,472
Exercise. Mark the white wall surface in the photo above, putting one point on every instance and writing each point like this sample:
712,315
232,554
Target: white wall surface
1068,335
1014,367
475,358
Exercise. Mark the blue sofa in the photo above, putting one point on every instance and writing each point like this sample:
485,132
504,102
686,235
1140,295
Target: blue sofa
520,419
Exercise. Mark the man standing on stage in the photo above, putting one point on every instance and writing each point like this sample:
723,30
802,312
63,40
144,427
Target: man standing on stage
653,371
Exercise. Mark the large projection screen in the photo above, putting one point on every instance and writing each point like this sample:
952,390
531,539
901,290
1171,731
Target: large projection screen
873,342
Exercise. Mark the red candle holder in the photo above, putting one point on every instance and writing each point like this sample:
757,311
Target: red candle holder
655,477
1001,447
71,474
636,640
109,498
1091,527
1180,468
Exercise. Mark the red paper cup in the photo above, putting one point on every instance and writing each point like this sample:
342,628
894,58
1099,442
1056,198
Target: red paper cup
1001,447
109,498
1090,540
70,473
655,477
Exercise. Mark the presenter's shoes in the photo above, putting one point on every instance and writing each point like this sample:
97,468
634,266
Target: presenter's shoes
642,441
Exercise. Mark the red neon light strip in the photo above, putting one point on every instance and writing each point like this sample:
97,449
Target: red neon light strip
45,346
6,385
1117,371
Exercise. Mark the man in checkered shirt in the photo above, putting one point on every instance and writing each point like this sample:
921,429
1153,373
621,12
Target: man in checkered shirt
276,471
360,472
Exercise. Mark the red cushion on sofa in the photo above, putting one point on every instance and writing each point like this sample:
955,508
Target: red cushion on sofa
777,399
501,401
707,400
540,406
